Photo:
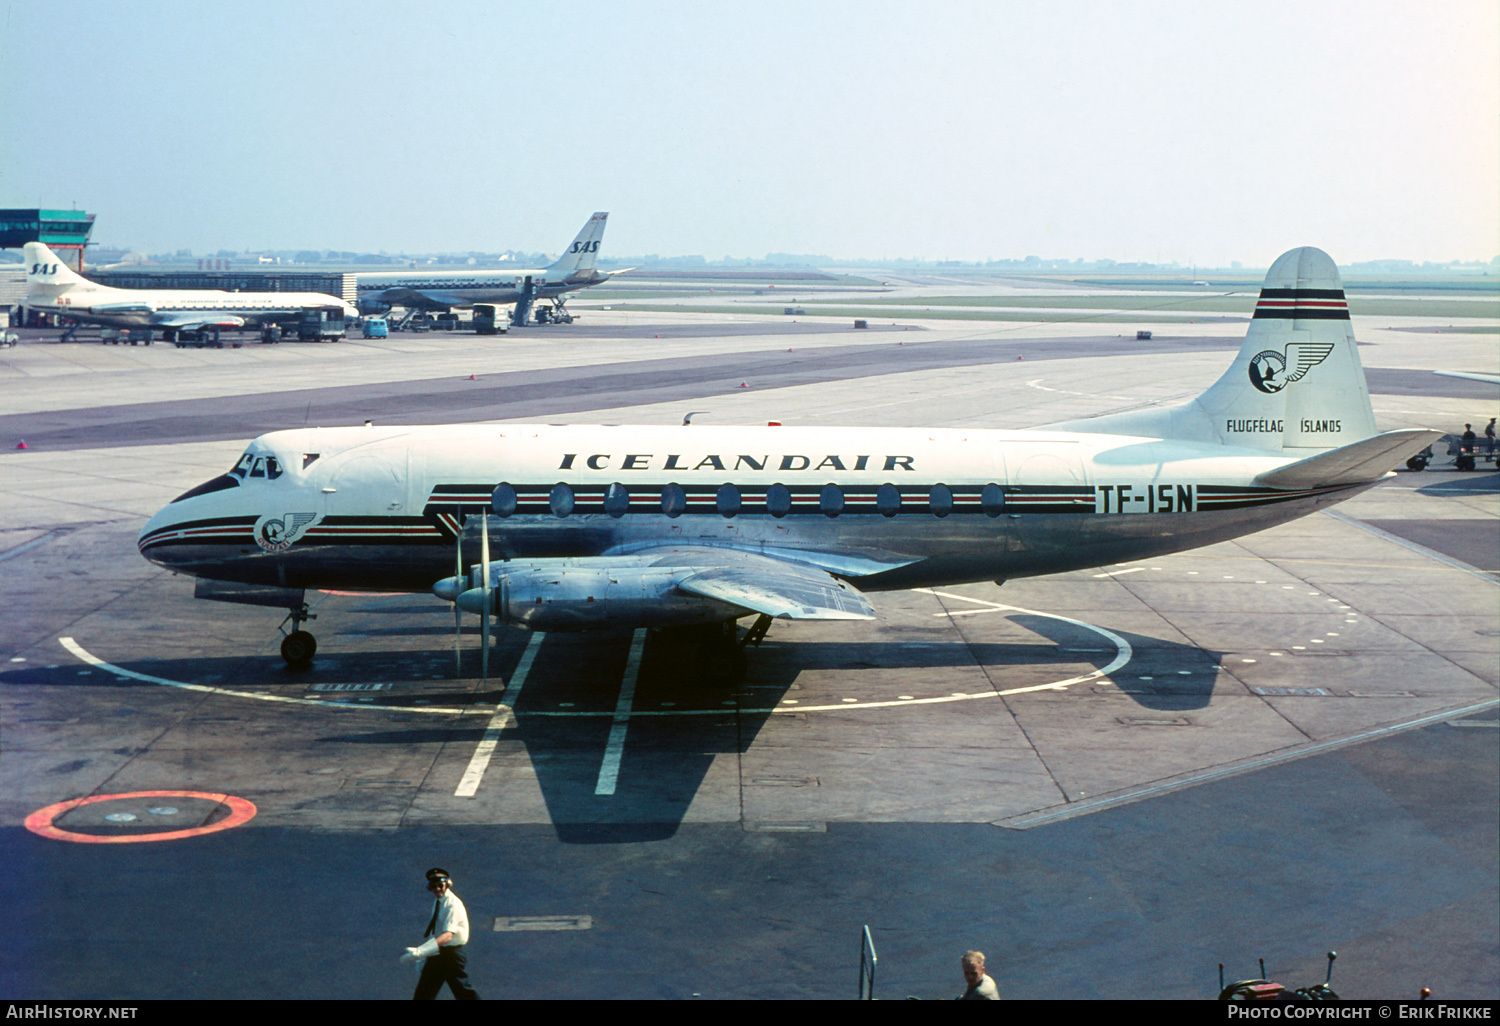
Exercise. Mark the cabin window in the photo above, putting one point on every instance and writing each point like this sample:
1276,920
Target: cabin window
503,500
729,500
673,500
940,500
887,500
561,500
616,500
831,500
778,501
992,500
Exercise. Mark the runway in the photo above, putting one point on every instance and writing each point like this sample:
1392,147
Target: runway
1110,780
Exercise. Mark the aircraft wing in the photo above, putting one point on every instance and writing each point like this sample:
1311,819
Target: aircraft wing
1361,461
187,320
417,297
766,585
131,306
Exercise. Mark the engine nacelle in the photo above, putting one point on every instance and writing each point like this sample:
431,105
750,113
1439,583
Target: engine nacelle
572,599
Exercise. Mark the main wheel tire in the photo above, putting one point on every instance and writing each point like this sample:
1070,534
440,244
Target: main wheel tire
297,648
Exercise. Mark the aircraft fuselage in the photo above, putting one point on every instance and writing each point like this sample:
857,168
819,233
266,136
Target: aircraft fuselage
887,508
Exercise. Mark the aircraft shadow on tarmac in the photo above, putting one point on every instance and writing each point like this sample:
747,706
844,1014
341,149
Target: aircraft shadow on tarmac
682,714
1472,482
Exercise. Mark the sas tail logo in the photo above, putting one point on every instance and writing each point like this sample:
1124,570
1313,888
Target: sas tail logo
1271,371
585,247
43,270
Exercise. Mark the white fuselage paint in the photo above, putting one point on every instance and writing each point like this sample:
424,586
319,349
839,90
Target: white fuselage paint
379,507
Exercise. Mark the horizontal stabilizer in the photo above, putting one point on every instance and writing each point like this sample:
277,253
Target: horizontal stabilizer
790,593
1351,464
1488,379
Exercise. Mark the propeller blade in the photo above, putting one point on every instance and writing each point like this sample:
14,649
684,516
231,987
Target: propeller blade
484,622
458,622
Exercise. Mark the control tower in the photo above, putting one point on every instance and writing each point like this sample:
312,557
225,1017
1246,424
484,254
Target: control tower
65,232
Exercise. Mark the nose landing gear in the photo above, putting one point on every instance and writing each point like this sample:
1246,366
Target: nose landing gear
298,646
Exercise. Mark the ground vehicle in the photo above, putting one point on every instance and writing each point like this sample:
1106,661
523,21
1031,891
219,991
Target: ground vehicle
120,336
1262,989
376,327
321,324
491,319
1420,460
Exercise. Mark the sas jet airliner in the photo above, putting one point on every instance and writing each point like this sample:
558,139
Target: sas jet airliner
595,527
443,290
53,287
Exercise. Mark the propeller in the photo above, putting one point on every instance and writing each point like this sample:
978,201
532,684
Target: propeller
458,618
484,569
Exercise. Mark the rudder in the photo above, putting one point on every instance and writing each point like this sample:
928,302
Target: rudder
584,251
1297,384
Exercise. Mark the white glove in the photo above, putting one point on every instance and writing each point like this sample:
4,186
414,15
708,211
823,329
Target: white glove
427,950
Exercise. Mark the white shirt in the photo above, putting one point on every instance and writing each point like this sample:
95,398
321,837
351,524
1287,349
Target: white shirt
453,918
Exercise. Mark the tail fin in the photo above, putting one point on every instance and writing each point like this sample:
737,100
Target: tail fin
585,249
1296,387
46,271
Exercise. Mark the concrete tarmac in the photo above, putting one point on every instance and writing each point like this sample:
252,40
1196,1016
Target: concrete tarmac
1109,780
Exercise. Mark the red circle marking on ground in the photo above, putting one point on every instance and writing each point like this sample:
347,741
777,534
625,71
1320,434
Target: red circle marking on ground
40,821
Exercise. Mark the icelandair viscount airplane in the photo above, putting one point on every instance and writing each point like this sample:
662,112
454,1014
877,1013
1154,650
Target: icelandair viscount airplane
595,527
53,287
443,290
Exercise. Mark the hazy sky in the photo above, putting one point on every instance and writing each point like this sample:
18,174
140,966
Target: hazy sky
1195,131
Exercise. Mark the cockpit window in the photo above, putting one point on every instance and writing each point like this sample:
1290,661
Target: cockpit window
243,466
250,465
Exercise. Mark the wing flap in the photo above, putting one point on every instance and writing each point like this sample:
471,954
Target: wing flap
789,592
1361,461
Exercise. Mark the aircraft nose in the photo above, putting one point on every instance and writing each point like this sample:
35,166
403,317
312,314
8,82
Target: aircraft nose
151,541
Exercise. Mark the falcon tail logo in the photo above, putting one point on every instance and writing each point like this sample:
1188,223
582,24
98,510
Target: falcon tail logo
1271,371
273,534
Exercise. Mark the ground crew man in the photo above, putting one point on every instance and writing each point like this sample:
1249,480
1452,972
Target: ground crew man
981,987
442,953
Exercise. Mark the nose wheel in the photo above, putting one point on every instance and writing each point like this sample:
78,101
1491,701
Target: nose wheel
298,646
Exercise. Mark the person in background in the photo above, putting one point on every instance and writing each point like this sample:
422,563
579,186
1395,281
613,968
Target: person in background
981,987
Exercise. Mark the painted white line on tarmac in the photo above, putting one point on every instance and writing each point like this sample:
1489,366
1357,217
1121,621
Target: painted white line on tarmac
504,716
609,770
1103,802
1123,654
119,671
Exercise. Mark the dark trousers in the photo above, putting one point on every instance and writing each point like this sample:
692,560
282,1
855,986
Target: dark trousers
448,965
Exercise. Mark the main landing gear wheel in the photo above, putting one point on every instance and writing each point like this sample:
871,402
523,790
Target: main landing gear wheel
297,649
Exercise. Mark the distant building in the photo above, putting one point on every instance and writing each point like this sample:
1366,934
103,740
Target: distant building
65,232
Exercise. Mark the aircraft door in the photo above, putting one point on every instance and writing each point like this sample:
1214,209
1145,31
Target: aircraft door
1046,500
